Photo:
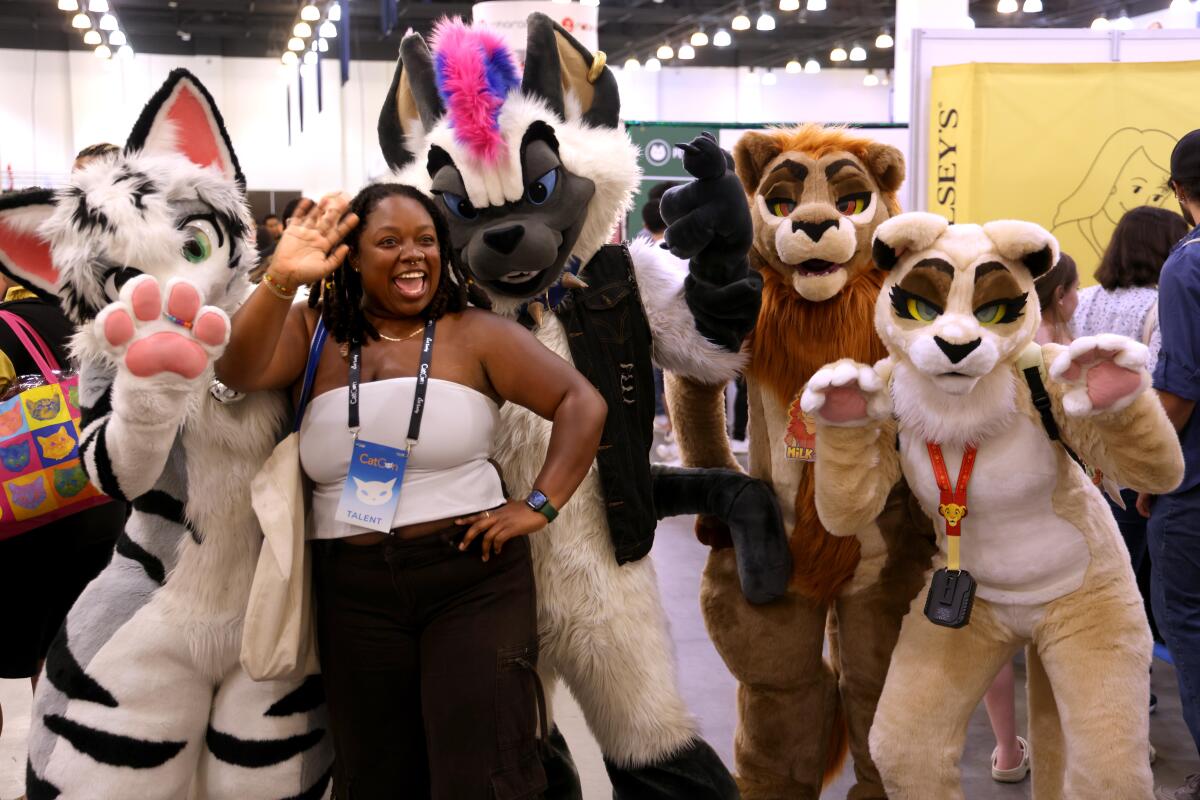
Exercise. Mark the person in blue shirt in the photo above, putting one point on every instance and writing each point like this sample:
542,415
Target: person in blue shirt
1174,530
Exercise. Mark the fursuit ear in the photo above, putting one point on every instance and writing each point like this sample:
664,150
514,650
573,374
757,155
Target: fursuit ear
886,164
182,118
557,67
916,230
413,105
24,254
1026,242
751,154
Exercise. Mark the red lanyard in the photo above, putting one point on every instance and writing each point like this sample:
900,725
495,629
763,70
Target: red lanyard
953,503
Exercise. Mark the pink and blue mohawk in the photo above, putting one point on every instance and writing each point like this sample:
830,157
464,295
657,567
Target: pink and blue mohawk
475,72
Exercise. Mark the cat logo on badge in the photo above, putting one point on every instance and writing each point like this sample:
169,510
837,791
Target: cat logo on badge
374,493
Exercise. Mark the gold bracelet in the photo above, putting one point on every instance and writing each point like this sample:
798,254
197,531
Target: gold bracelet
276,289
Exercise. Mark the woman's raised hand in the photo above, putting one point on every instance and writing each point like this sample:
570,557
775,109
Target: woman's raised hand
311,245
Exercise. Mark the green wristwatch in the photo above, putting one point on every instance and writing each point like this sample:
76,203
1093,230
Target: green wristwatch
541,504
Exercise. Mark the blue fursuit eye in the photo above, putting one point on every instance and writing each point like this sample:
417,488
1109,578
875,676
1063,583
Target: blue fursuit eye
542,189
459,206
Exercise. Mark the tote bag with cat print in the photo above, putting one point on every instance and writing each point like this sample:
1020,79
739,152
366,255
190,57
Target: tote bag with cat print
41,476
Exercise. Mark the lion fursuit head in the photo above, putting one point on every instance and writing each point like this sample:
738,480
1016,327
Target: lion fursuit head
816,196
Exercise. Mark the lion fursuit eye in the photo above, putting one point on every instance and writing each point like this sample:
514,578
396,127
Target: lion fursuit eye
999,312
912,306
851,204
781,206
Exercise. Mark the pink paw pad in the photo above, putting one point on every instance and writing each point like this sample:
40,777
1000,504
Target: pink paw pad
146,301
166,352
210,328
1107,383
183,302
118,328
844,404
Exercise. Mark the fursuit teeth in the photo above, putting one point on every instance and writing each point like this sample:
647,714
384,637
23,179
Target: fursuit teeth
475,73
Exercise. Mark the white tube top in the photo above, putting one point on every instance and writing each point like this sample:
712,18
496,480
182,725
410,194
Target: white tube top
448,471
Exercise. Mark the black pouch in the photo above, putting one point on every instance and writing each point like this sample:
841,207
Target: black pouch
950,598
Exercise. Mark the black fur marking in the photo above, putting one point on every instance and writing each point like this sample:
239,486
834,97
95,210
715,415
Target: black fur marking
1039,263
135,552
104,468
542,77
415,65
317,790
36,788
69,678
110,748
885,257
305,697
161,504
141,187
85,217
437,159
538,131
141,129
257,753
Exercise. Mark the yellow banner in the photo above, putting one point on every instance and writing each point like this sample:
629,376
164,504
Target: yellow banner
1069,146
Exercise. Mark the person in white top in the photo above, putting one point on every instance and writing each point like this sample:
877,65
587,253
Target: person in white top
426,620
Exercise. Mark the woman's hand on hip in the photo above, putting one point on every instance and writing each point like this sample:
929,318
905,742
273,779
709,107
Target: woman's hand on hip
310,247
497,526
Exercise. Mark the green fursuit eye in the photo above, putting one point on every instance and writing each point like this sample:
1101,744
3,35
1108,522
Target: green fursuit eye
198,246
919,309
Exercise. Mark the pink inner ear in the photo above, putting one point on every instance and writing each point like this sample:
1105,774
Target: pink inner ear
195,132
28,255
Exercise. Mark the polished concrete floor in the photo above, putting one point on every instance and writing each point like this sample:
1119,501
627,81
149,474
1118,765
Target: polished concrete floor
709,689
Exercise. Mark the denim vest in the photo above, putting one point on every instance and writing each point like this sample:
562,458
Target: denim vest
611,345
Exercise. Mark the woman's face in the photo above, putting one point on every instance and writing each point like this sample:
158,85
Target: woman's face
398,258
1140,183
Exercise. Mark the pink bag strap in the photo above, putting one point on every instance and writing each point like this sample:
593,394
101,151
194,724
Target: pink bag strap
37,348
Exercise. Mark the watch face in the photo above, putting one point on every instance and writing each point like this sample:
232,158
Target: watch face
536,500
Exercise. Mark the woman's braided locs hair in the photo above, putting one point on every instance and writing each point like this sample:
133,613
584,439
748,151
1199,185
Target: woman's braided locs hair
339,295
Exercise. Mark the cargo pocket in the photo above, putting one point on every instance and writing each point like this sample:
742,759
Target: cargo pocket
520,721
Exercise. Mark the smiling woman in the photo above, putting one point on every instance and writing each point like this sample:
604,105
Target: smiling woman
432,519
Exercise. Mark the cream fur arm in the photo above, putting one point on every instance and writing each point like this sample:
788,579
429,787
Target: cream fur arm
856,468
678,346
1133,441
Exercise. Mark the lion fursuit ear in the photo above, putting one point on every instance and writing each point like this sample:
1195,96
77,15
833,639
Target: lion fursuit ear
412,106
1026,242
558,68
24,254
887,165
751,154
916,230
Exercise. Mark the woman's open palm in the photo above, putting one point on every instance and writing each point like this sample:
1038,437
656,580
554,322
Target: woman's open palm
310,247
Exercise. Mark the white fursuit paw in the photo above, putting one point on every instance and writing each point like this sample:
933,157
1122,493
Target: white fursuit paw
847,394
1104,374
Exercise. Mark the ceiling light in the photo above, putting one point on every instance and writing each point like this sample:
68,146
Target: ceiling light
103,52
769,79
327,30
81,21
815,5
335,12
314,46
92,38
117,38
665,51
323,45
1123,22
765,22
1176,5
870,79
970,21
686,52
310,58
794,67
184,36
108,22
98,6
302,29
884,40
653,64
789,5
1101,23
295,44
68,5
699,38
812,66
1006,7
632,64
1032,6
857,53
310,13
589,2
126,52
289,58
722,38
741,22
838,54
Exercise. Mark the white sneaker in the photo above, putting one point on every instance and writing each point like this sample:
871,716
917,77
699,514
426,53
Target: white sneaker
739,445
1017,773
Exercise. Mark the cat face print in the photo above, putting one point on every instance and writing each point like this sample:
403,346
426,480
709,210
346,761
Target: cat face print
28,495
10,420
44,408
57,445
374,493
70,481
15,457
